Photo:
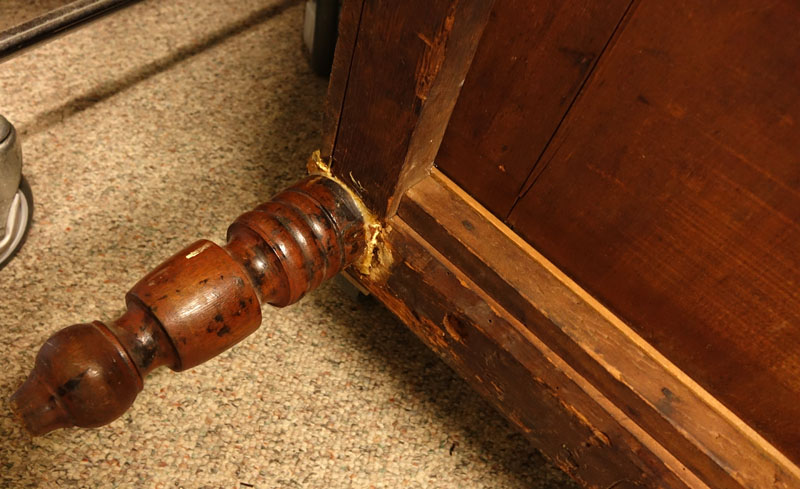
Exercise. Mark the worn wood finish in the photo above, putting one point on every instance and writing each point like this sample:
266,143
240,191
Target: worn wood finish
653,399
349,22
498,356
671,194
195,305
408,63
532,60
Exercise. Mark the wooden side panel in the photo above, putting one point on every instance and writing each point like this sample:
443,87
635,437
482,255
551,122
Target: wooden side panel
408,64
672,193
532,60
349,23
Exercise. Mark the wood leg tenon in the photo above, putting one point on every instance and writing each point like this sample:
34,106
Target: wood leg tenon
194,306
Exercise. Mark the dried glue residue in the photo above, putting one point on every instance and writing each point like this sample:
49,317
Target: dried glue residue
376,259
316,166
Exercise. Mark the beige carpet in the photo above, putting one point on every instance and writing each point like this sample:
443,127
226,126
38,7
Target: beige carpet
144,132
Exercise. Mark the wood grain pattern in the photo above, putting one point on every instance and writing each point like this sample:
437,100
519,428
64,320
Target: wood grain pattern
516,373
349,22
532,60
672,193
406,70
195,305
651,397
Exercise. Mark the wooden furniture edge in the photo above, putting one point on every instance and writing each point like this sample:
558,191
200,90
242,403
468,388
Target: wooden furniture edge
397,73
674,418
748,435
348,27
449,313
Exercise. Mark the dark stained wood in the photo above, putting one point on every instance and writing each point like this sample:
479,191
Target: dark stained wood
204,301
647,394
192,307
532,60
487,255
486,346
349,22
672,193
407,67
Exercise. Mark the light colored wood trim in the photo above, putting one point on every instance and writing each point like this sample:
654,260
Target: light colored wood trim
693,411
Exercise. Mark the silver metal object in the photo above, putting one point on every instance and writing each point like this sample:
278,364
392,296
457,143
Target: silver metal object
16,201
10,169
16,225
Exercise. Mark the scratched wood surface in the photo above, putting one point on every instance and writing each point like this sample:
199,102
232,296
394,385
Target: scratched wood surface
532,60
686,427
405,66
489,348
672,193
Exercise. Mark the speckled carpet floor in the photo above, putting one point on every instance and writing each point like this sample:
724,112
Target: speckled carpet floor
158,126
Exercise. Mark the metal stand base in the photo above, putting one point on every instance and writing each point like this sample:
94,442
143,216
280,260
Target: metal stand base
17,224
16,199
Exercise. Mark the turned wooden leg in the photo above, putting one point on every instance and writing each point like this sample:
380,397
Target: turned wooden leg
195,305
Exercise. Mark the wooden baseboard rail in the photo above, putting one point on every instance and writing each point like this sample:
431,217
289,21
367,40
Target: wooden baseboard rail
648,418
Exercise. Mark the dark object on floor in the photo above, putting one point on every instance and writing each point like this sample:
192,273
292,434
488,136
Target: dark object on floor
320,32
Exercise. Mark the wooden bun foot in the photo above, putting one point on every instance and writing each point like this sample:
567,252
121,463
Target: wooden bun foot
197,304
